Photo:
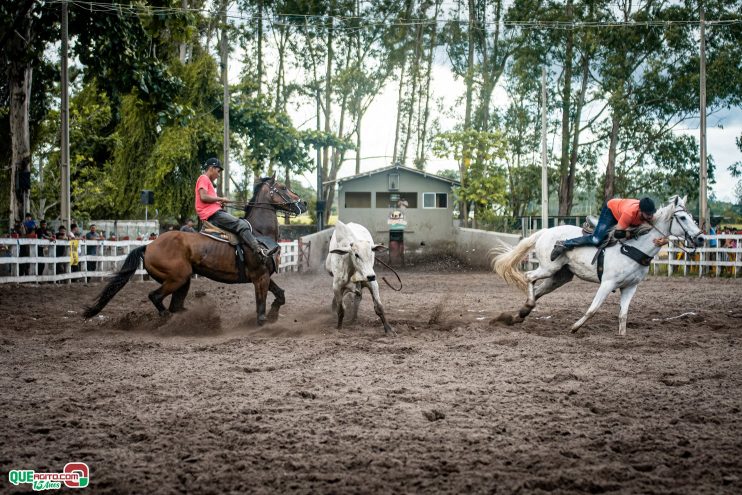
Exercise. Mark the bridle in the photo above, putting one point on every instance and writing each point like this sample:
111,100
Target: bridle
282,207
687,237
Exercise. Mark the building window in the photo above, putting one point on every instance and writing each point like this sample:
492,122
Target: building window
358,200
393,182
389,200
435,200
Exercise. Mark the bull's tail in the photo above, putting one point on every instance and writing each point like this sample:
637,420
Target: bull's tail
508,258
131,263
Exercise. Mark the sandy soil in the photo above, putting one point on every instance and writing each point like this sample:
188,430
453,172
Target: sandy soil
205,402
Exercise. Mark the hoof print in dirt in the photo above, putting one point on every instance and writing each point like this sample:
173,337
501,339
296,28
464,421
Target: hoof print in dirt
676,380
434,415
306,395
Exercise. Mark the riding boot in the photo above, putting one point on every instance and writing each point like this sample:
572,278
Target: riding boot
262,254
561,247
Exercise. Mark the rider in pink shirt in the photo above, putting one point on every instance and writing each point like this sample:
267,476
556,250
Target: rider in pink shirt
209,207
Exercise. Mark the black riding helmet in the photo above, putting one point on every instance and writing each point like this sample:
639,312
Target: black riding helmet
213,162
646,205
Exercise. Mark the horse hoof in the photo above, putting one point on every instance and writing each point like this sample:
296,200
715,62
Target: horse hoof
574,330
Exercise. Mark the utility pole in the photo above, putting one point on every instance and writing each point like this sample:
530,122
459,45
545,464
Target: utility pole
703,198
544,178
64,196
320,196
225,83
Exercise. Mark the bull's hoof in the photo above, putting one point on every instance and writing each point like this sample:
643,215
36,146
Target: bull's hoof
390,331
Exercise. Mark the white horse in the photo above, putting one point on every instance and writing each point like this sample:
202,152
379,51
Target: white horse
620,271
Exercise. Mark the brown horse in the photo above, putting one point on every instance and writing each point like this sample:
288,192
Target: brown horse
174,256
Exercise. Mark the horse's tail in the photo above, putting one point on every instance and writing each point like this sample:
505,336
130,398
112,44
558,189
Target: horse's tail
131,263
508,258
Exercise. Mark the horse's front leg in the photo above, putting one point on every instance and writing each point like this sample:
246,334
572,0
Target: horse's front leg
626,294
261,293
278,301
603,291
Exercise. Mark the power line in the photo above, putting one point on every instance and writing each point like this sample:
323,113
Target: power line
283,19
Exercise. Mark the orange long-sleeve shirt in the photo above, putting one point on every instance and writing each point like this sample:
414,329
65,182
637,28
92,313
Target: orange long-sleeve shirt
626,212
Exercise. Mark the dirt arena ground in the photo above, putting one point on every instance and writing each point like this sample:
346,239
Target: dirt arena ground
205,402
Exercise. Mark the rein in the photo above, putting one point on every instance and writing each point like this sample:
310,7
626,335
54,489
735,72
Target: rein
395,273
278,207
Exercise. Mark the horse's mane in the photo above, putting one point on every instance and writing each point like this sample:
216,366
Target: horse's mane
255,189
666,211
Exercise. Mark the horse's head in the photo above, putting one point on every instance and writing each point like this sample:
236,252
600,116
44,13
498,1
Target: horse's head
681,222
269,192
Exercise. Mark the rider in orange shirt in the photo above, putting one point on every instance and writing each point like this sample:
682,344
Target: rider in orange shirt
621,213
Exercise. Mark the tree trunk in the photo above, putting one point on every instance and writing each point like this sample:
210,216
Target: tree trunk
399,110
280,73
610,169
19,85
415,76
183,47
565,192
465,163
330,190
260,46
576,133
423,129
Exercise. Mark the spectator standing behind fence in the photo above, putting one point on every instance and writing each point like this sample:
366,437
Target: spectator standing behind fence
29,224
188,227
92,247
43,233
74,234
61,250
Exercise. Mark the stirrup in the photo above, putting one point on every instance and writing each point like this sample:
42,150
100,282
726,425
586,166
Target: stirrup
270,253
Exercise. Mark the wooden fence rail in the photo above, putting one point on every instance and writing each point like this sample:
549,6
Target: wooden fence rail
39,260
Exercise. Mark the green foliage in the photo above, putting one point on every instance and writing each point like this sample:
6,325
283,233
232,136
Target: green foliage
479,154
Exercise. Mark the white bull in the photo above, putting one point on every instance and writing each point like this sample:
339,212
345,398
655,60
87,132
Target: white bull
351,264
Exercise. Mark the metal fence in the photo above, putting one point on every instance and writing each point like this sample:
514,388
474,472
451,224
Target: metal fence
40,260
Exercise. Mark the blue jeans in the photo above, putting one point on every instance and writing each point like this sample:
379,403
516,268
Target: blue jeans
605,223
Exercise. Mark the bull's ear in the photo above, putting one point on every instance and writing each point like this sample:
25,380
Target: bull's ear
379,247
340,251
